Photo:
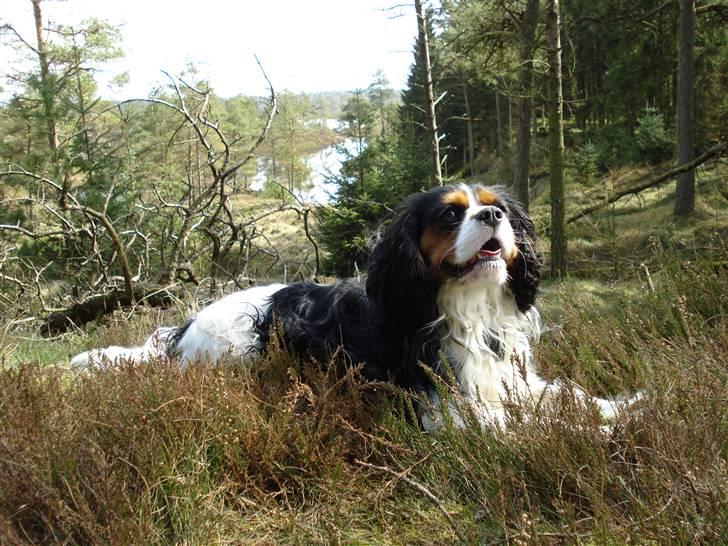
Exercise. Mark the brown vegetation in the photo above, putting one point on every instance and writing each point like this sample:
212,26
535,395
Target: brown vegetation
288,454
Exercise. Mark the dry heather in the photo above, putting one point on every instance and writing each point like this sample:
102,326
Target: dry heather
283,453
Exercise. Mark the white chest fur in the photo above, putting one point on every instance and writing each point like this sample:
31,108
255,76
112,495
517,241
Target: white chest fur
486,340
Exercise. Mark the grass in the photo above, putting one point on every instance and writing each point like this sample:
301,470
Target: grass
615,241
291,454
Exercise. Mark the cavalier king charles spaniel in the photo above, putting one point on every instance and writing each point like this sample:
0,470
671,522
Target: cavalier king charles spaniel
450,292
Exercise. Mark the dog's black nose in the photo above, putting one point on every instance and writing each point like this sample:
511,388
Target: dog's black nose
490,215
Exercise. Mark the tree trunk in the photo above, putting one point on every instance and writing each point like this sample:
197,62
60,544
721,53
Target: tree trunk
556,141
526,36
498,125
469,127
424,51
685,194
47,93
97,306
509,140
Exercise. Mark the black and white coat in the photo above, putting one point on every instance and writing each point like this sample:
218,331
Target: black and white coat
455,273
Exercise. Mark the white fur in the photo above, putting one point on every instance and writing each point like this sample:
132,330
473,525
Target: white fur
154,347
226,326
473,312
473,234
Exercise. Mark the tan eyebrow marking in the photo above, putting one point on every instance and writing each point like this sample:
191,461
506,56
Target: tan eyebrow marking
486,197
456,197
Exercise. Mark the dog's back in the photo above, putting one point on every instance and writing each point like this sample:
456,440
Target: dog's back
316,320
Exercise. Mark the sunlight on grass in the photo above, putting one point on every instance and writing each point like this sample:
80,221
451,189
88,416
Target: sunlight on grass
286,453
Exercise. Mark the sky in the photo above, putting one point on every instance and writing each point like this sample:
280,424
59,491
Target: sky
303,45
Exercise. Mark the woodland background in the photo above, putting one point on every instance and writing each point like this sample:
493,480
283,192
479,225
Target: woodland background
609,120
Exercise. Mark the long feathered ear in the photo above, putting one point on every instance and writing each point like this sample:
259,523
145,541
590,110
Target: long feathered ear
524,272
398,280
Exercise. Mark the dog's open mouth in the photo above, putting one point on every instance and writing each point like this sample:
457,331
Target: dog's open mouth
491,251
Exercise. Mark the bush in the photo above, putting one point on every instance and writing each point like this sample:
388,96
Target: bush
617,146
654,142
154,455
392,170
584,161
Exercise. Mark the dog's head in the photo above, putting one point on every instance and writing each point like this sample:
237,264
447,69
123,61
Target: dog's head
454,234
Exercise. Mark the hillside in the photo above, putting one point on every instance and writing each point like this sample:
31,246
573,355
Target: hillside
614,241
288,455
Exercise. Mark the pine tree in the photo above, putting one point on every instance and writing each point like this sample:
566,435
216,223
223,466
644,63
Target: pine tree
685,194
556,141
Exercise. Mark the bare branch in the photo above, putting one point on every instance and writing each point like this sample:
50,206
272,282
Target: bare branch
19,37
716,150
272,105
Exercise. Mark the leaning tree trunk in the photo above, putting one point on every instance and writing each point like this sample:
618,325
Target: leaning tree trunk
556,141
526,36
685,194
424,51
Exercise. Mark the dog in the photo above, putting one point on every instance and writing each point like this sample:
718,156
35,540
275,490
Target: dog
450,293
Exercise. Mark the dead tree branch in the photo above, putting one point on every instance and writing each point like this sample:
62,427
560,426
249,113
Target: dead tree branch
715,151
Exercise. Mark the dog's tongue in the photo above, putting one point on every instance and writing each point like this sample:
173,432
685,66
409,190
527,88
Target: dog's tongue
491,249
483,253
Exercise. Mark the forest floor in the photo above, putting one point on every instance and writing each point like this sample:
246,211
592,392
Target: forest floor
280,454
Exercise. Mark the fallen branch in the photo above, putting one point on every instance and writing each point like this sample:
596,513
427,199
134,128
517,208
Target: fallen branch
99,305
716,150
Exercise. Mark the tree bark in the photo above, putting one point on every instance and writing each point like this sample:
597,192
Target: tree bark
117,244
469,126
526,36
46,92
97,306
556,141
685,194
498,125
424,51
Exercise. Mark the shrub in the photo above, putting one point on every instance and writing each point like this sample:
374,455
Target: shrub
654,142
584,161
392,170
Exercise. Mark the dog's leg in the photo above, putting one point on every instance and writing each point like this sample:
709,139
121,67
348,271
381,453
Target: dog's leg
154,347
431,416
228,325
609,409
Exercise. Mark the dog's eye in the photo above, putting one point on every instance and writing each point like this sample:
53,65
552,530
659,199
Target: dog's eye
450,214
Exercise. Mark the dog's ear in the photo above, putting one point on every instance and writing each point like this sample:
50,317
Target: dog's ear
398,280
524,272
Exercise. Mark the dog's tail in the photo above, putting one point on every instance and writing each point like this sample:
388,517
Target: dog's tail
161,344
